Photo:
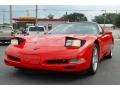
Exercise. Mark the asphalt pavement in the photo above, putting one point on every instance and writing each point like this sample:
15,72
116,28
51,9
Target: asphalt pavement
108,73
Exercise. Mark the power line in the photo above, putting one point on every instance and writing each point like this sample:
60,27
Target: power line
58,10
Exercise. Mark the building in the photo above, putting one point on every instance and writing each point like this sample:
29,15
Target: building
28,21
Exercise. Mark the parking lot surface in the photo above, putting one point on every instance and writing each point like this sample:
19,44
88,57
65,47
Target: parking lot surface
108,73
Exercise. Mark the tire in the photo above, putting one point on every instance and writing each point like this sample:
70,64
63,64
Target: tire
94,61
110,54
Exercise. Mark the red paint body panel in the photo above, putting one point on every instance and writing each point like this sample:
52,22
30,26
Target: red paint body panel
34,52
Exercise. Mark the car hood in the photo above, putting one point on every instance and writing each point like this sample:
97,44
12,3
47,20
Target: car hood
51,45
54,40
5,32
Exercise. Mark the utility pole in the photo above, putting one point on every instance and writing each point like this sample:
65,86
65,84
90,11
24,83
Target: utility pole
66,19
66,16
10,8
36,15
104,17
3,13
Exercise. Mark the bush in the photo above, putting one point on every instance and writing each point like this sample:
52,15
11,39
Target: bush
117,20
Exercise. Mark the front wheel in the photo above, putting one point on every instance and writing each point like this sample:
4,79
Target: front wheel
110,54
94,60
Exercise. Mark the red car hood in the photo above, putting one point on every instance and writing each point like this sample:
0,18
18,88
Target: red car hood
54,40
52,46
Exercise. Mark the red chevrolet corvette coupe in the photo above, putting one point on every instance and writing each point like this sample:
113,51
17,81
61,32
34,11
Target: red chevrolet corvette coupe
70,47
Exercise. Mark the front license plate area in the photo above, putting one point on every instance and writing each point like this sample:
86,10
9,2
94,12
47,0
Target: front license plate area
31,59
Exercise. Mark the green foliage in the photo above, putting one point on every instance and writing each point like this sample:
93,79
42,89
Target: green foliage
50,16
73,17
117,20
108,17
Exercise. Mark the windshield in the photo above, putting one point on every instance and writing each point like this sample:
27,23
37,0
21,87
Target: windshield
36,29
76,28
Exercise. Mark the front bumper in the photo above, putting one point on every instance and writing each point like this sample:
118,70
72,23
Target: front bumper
75,67
35,63
38,61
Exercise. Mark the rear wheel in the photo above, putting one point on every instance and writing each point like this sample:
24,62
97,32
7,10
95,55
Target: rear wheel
94,61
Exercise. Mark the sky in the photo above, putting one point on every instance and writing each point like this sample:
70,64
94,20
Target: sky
56,10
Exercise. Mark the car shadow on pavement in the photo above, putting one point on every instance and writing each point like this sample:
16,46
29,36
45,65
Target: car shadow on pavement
39,77
49,77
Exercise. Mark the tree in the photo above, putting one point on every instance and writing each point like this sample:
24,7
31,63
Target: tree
108,17
50,16
117,20
99,19
73,17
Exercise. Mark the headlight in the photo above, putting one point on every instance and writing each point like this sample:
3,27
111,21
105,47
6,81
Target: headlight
73,42
14,42
76,43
